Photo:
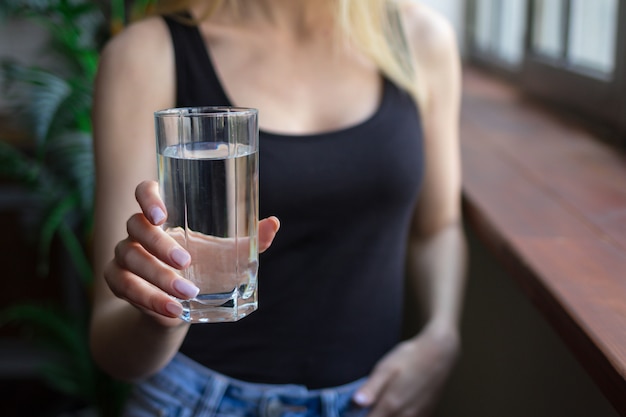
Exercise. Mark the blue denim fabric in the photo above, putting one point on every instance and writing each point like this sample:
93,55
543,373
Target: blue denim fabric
185,388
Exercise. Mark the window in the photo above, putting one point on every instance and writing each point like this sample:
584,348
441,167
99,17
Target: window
569,52
581,34
500,30
598,19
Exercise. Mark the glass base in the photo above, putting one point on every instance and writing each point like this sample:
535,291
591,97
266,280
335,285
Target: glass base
214,309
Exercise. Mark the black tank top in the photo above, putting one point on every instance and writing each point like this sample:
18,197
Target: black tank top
331,285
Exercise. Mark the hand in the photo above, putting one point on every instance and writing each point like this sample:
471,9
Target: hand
143,271
408,381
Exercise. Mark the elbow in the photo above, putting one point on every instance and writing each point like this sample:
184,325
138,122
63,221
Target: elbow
107,359
443,226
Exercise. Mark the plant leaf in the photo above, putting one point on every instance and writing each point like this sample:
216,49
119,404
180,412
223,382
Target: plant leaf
70,158
77,254
64,378
39,97
70,369
62,332
51,224
16,166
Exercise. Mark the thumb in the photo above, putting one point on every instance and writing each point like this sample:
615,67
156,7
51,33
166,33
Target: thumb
267,231
369,392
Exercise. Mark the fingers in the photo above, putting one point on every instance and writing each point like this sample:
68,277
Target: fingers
267,231
153,208
143,271
139,292
373,394
132,257
136,254
137,277
369,392
408,380
149,199
377,396
157,242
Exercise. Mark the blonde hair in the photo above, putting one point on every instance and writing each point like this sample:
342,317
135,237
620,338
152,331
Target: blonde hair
373,26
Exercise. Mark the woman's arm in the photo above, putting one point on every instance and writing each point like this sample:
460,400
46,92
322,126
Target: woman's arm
436,258
135,78
409,379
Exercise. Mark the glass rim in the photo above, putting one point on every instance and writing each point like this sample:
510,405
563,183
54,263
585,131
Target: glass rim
206,111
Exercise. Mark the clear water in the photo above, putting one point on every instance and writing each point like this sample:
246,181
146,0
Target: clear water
211,193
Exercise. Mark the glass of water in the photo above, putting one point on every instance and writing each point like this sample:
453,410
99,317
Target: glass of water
208,178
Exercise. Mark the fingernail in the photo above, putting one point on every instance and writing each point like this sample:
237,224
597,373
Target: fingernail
186,288
361,399
157,215
174,308
180,256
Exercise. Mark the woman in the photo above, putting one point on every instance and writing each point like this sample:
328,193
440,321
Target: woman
358,103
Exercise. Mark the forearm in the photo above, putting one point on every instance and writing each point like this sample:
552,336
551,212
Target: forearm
126,342
129,344
436,278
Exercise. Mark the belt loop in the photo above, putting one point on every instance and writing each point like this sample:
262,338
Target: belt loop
270,406
329,403
211,397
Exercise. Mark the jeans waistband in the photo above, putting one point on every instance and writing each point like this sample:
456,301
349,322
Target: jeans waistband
188,389
181,362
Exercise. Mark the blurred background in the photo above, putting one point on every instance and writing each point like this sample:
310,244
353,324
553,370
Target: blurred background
569,55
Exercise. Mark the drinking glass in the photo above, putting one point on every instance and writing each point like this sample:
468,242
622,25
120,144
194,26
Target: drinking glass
208,178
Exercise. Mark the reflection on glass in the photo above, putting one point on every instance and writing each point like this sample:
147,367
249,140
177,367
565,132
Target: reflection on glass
592,34
548,27
510,43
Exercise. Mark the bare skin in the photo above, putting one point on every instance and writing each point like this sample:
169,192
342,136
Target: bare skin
282,58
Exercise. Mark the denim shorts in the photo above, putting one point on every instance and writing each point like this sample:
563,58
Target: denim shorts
185,388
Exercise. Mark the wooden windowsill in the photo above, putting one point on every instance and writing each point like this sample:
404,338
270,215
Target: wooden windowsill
550,202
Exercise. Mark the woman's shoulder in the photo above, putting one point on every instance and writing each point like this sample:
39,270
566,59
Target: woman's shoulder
433,44
136,66
430,34
141,43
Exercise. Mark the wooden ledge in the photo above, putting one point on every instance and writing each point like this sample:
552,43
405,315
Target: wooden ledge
550,202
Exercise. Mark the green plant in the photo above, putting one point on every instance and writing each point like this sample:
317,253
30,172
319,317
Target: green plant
53,105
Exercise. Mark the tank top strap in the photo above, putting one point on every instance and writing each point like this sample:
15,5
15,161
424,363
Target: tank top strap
196,81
